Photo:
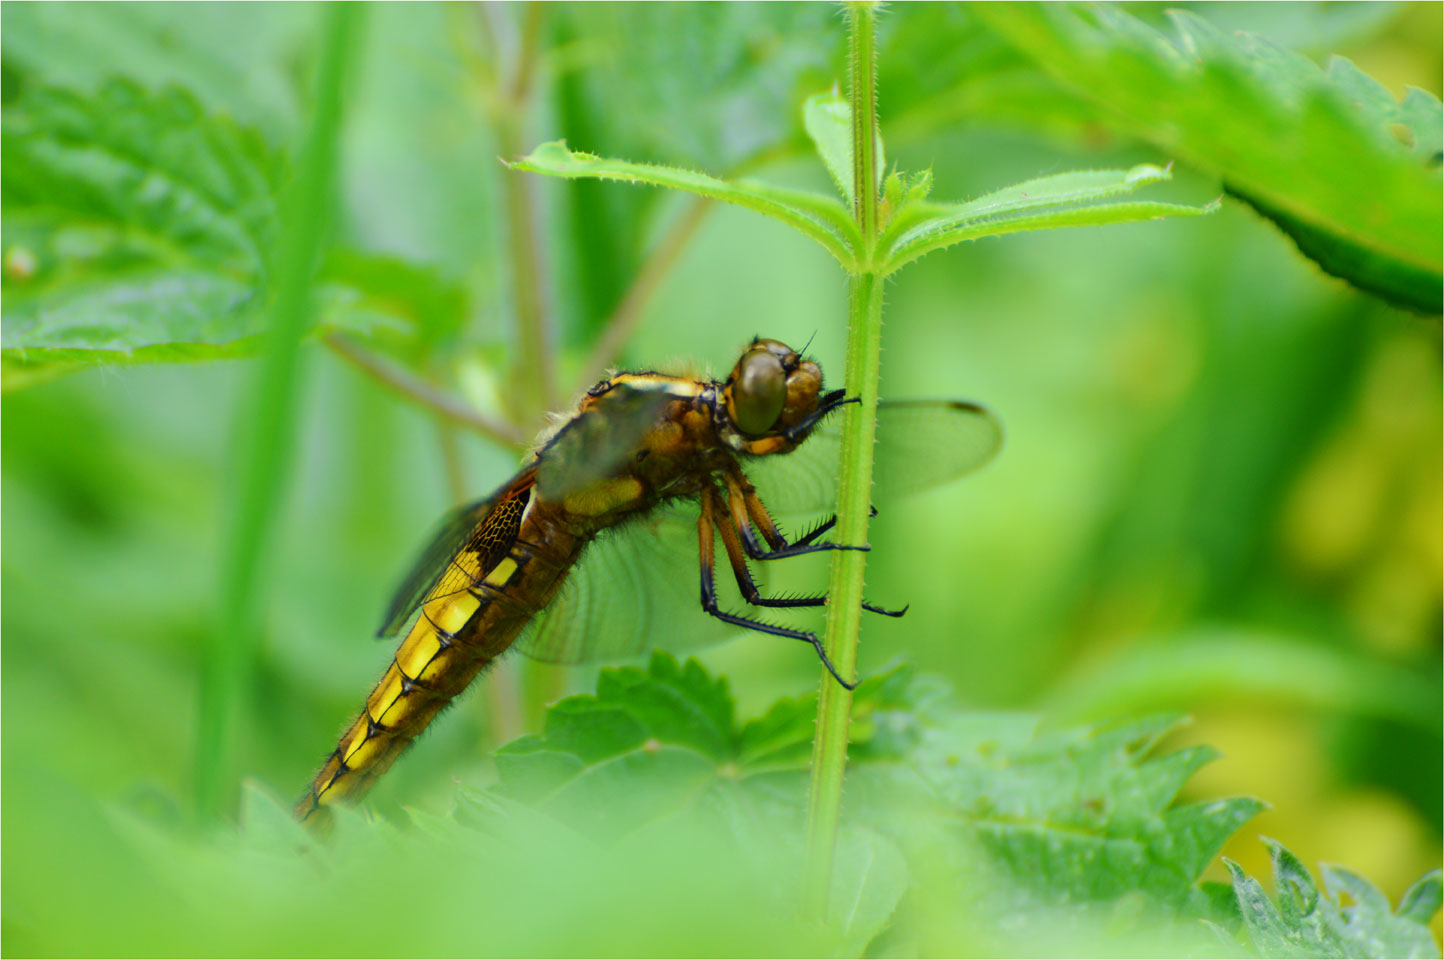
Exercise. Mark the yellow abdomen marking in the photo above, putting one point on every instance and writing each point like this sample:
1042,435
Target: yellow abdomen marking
384,697
502,574
358,751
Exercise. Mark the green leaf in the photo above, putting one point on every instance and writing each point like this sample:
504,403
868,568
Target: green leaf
1266,929
828,121
827,118
914,217
821,218
1388,278
1421,113
938,234
138,229
1314,152
869,877
1421,901
1083,814
1069,816
145,223
1308,923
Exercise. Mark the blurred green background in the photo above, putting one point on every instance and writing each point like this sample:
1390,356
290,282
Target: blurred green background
1220,491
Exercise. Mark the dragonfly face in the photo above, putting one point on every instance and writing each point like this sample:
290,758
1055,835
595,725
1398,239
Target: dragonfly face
773,393
549,562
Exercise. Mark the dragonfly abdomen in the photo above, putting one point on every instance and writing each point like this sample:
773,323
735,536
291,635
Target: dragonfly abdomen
456,637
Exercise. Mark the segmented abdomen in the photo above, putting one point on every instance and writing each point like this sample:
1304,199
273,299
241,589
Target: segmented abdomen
455,638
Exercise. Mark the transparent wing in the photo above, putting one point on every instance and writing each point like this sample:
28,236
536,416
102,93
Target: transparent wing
594,444
634,589
465,542
920,444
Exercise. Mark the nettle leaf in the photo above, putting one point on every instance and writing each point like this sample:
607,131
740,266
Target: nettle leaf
1303,921
820,217
138,229
1066,817
1317,153
143,224
1062,200
666,738
1081,814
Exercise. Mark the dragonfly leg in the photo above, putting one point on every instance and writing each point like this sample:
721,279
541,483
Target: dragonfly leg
749,515
728,527
706,554
756,511
823,527
830,402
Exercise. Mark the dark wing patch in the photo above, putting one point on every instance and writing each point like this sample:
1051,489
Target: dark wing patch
470,541
596,442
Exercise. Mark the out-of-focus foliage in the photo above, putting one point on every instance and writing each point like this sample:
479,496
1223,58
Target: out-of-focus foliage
1036,835
139,229
1315,152
1303,921
726,106
1220,492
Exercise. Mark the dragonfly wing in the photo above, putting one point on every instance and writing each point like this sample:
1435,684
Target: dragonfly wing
920,444
466,544
593,444
634,589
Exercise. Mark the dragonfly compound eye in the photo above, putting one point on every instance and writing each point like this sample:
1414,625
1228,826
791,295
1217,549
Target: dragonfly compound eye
758,391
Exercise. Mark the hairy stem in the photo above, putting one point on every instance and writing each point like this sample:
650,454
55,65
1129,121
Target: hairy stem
864,340
266,436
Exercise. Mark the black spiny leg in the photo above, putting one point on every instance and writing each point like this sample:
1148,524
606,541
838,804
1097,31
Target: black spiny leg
706,555
830,402
749,514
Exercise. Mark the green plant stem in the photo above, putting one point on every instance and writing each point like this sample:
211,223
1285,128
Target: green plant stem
266,442
413,388
864,350
534,376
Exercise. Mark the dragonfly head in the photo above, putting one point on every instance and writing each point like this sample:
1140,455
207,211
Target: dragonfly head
771,390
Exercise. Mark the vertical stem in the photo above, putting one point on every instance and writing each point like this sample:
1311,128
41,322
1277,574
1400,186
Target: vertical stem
534,376
864,341
266,439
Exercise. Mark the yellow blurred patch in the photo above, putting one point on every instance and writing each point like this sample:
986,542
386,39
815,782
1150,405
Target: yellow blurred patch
604,497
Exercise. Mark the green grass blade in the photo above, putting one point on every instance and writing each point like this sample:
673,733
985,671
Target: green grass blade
267,440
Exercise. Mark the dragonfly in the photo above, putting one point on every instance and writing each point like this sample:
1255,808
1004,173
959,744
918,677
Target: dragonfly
582,554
